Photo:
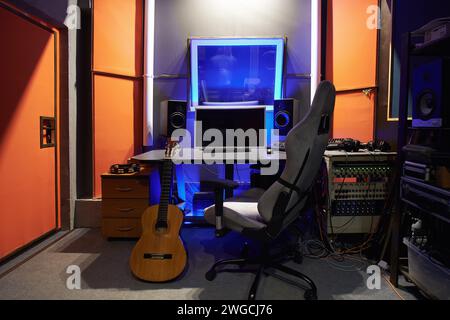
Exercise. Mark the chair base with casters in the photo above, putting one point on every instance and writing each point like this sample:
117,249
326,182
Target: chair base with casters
264,263
266,260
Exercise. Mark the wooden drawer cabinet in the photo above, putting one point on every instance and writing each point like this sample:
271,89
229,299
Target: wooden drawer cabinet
124,208
126,187
124,199
121,228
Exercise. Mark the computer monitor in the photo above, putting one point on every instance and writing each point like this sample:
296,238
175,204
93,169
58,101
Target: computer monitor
242,118
240,71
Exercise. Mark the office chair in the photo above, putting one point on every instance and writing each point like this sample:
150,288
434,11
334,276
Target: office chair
265,215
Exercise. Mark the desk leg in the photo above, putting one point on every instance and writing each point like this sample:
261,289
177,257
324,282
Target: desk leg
229,175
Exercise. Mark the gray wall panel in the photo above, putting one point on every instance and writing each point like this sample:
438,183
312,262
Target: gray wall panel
177,20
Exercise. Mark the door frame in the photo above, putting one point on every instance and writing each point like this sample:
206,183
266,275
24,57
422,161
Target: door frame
62,181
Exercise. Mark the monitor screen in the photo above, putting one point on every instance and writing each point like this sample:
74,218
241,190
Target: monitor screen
231,118
228,72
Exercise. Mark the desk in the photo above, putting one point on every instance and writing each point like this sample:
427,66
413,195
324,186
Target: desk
229,159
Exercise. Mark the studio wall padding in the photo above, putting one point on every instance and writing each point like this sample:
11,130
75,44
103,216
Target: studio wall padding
29,180
353,116
118,28
352,66
118,36
118,105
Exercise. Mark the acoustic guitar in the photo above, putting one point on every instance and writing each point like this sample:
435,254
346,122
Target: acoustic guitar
159,255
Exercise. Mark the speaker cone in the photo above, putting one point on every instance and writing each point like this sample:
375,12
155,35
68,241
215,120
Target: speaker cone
426,104
282,119
177,120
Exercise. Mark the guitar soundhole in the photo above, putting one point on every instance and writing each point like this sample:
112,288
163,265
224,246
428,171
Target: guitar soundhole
161,226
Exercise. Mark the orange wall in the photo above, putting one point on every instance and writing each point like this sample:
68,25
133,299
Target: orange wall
117,83
353,117
118,36
118,105
352,64
28,188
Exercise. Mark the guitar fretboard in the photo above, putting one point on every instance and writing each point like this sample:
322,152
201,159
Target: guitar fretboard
166,183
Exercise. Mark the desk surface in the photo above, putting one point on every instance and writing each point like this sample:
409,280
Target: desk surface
198,156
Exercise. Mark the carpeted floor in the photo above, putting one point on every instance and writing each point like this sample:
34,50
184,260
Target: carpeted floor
106,275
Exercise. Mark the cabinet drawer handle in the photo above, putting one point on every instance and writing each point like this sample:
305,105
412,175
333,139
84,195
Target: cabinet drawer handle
124,189
126,209
125,229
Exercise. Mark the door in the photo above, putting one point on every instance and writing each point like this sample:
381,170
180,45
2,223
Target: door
27,136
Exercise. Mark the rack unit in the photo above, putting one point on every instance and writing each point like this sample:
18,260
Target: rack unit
358,186
411,190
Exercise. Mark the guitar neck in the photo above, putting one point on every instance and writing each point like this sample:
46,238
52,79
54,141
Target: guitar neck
166,185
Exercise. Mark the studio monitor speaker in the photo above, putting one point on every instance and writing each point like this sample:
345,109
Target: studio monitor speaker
286,115
173,116
431,95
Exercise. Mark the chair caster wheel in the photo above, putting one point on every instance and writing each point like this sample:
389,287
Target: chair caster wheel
211,275
310,295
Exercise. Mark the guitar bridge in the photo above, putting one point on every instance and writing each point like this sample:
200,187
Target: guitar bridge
157,256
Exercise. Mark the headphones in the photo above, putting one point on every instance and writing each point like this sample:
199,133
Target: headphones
377,145
125,168
348,145
351,145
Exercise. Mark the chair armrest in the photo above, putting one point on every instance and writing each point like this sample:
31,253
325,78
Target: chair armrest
259,166
220,184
